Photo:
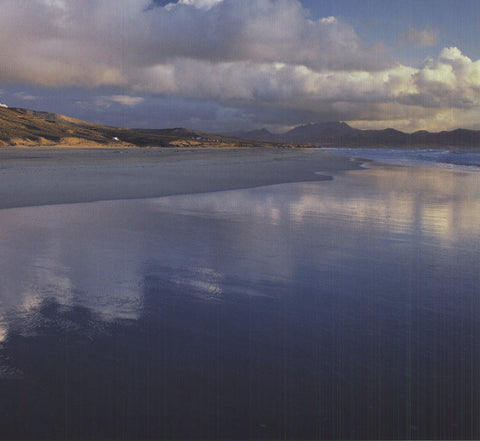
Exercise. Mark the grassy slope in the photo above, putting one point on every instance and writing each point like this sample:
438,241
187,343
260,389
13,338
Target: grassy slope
28,127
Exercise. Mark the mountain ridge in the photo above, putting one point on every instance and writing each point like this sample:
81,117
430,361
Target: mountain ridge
340,134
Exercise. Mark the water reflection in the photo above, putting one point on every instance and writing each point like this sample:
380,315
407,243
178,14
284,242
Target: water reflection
345,309
72,254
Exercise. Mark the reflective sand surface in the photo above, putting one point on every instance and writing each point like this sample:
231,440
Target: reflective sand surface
343,309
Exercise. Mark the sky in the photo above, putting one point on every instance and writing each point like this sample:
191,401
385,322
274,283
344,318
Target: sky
228,65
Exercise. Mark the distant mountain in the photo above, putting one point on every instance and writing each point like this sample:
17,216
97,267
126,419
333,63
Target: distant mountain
340,134
262,134
328,131
34,128
301,134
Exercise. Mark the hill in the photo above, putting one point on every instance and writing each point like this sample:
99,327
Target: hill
34,128
340,134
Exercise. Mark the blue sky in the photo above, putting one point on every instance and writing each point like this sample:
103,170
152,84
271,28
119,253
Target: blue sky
456,21
224,65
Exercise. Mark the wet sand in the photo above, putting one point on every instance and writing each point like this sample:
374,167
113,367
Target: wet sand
320,310
38,176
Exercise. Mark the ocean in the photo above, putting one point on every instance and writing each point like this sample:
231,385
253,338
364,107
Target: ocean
343,309
453,159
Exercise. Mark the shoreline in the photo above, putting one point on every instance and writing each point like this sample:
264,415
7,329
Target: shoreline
49,176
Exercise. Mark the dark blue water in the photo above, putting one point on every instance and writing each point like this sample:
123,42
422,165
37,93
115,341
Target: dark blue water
345,309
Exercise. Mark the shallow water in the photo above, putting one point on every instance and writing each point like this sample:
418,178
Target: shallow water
343,309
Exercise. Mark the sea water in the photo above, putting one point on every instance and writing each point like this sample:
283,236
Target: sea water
343,309
449,159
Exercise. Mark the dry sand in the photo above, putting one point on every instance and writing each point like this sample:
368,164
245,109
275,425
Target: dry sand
44,176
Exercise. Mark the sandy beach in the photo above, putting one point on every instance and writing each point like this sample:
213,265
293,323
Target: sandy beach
32,176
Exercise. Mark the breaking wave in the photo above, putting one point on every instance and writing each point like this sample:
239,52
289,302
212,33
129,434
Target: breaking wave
458,159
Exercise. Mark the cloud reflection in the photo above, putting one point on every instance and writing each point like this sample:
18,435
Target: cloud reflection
95,255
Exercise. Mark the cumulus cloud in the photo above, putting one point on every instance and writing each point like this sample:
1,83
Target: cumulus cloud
91,43
453,80
263,56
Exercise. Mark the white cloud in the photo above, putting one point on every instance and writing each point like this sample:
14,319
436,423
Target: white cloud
124,100
453,80
25,96
248,54
200,4
328,20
